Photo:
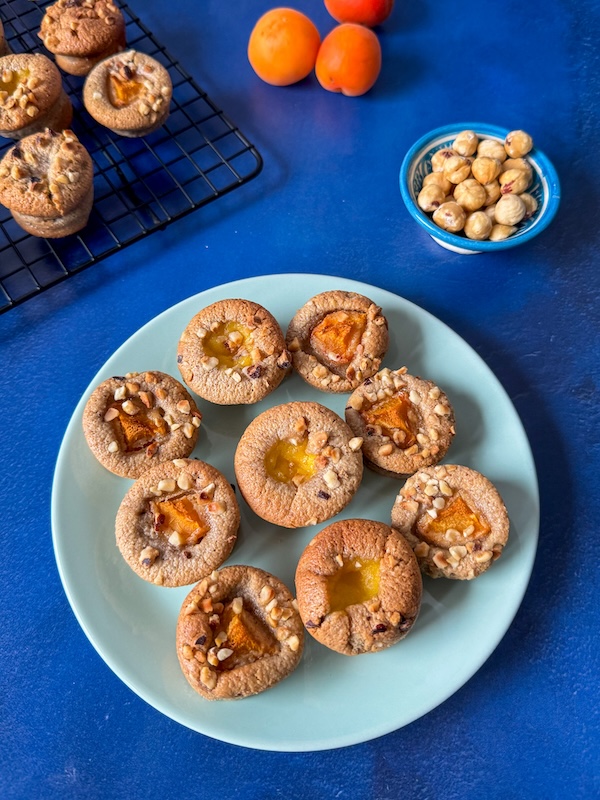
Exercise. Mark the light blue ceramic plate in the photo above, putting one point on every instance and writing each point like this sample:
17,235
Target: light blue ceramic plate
331,700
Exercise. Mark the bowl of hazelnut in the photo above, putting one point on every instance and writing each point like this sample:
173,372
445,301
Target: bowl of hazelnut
478,188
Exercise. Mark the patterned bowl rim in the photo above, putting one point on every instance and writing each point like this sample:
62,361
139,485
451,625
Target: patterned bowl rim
546,174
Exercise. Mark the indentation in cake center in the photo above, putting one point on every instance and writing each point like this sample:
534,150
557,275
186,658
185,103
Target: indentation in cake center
355,582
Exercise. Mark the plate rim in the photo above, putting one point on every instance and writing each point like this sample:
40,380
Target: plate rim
342,740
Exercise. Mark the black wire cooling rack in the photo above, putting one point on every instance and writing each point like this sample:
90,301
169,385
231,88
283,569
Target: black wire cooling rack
140,185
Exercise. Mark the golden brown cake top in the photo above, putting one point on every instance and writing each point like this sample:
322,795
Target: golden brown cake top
29,85
46,174
81,27
128,91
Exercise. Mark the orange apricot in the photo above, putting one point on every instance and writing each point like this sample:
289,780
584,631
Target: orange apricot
363,12
283,46
349,60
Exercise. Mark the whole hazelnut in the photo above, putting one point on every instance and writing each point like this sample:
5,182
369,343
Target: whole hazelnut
491,212
439,158
518,143
437,178
492,149
470,194
514,181
517,163
431,197
457,168
531,204
485,169
510,209
466,143
478,225
500,232
492,192
450,216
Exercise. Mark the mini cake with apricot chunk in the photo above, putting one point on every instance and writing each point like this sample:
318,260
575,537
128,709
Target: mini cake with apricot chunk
233,352
178,522
404,422
238,633
129,93
80,33
454,519
32,96
358,586
298,464
337,339
134,421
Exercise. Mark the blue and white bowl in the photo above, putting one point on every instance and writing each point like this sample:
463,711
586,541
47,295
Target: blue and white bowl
417,163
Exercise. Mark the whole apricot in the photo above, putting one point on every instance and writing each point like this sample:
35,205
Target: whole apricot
283,46
363,12
349,60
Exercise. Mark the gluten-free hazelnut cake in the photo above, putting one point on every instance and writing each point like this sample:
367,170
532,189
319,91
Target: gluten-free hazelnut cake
359,587
337,339
238,633
298,464
405,422
129,93
454,519
132,421
178,522
233,352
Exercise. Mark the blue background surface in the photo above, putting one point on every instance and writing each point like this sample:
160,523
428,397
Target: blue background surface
327,201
